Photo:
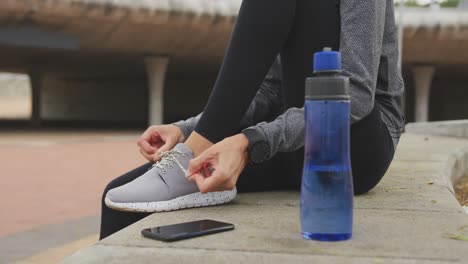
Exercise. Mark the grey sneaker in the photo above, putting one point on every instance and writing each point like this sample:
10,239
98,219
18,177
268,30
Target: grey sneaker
165,188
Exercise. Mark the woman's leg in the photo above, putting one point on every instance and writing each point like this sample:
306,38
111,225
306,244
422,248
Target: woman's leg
260,32
316,25
372,151
112,220
264,28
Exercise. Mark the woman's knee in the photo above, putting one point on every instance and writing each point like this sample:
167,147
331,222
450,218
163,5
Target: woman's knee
364,185
360,188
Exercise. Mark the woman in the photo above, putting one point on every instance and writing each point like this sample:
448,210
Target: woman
364,32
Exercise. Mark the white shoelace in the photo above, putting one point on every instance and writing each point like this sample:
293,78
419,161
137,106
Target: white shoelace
168,157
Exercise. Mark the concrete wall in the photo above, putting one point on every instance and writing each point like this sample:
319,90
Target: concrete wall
105,94
114,90
449,98
449,93
119,96
106,98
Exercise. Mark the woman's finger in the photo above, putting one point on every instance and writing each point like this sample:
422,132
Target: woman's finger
147,156
196,164
146,147
167,146
210,184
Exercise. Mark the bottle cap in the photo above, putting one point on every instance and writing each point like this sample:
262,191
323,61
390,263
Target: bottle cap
329,85
327,61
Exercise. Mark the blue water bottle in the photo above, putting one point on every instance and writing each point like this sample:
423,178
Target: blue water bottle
327,184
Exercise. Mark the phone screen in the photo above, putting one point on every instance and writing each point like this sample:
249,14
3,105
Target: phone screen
186,230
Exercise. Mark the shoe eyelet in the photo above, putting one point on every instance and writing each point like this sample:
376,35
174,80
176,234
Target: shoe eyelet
184,156
170,166
164,171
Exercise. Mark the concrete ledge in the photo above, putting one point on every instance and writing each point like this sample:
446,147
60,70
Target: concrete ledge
409,217
458,161
455,128
140,10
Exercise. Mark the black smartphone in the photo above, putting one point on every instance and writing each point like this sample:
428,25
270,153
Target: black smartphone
186,230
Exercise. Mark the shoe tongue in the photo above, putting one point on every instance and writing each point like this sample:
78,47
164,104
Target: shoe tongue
184,149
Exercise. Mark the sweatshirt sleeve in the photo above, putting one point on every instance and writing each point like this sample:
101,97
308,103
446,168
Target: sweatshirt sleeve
187,126
363,24
361,47
284,134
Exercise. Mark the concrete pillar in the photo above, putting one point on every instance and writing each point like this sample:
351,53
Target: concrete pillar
422,82
156,69
36,97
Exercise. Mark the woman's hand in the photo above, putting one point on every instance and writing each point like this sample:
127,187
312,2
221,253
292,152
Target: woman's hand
157,139
228,159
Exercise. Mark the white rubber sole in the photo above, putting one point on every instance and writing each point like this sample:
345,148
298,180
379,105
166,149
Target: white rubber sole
182,202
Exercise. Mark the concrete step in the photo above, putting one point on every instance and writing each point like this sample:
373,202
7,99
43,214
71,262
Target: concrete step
411,217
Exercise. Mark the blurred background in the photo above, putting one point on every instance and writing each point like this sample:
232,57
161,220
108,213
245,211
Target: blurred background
81,79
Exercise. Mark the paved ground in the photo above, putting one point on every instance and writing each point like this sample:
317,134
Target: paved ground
412,216
56,254
51,187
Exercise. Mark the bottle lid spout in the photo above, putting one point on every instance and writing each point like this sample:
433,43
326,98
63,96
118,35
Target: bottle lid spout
327,61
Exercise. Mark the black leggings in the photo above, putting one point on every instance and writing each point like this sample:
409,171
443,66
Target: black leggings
294,28
371,153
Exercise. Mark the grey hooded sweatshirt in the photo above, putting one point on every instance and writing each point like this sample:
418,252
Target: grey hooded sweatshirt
369,50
